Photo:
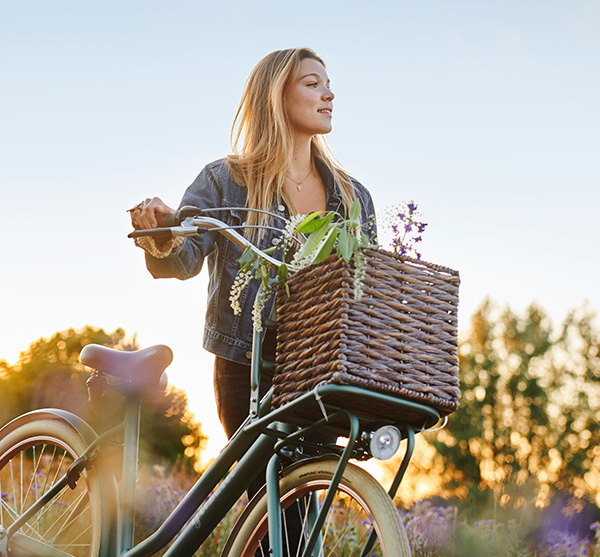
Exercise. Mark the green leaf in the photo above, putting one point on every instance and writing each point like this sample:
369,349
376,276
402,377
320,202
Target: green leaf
247,256
282,272
366,241
327,246
344,249
315,237
347,245
310,223
354,211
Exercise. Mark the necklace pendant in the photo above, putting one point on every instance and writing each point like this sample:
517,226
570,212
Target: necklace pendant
299,187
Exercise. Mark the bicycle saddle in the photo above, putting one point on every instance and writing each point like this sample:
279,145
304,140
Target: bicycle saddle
140,370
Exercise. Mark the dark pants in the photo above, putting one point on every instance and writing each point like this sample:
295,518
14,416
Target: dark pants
232,394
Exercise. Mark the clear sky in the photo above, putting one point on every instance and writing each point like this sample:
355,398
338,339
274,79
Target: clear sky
487,114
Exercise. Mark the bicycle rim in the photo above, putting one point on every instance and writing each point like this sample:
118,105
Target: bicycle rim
360,507
33,457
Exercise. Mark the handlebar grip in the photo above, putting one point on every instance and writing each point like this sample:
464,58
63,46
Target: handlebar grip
161,233
178,216
173,219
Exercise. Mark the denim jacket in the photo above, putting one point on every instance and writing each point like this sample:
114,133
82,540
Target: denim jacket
225,334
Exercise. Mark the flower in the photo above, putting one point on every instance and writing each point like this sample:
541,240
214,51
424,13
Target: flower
242,280
404,223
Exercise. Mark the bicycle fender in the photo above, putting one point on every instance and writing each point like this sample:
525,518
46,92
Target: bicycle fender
85,430
108,482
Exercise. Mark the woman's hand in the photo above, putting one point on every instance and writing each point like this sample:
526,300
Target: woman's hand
150,213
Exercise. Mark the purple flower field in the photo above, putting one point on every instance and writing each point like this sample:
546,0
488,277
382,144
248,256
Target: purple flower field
434,530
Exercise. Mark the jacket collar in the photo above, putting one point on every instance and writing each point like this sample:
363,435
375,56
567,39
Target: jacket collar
334,193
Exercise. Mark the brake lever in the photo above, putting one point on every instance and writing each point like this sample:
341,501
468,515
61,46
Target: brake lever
186,228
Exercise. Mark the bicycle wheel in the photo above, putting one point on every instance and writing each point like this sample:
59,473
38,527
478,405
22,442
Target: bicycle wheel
360,506
36,450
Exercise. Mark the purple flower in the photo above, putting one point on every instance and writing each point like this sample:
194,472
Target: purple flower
404,227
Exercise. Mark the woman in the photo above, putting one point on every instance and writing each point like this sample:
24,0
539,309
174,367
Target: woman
280,164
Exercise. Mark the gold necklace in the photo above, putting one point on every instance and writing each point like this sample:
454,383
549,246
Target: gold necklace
299,184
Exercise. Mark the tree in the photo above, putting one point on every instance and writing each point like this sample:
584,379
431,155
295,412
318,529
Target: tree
48,374
529,406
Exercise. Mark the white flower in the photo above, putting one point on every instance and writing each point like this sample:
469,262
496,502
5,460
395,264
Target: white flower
259,306
242,280
359,274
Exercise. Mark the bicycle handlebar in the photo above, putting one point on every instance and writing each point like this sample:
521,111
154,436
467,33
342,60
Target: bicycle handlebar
187,222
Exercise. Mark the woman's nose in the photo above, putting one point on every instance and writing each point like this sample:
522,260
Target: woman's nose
328,94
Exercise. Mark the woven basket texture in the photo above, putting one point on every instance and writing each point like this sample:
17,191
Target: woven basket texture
400,338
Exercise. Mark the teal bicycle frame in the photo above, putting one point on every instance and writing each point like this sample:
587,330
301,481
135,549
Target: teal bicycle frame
266,437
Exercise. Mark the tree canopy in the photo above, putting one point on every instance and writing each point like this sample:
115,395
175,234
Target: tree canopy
529,408
48,374
530,403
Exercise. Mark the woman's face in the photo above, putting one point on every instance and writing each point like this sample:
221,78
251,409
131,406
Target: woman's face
308,100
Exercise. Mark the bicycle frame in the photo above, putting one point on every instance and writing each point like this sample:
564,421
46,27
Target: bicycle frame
264,438
251,447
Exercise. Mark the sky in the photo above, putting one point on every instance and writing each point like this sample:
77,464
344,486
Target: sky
486,114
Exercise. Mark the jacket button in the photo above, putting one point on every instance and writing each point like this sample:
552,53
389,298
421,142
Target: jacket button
275,241
249,355
281,208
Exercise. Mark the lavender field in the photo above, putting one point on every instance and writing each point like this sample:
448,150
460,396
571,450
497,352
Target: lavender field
567,527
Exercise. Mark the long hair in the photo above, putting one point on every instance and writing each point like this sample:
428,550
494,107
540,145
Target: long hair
262,136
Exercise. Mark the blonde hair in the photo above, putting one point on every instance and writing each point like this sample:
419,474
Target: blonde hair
262,136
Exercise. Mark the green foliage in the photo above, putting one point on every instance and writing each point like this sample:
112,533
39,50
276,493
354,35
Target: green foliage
529,405
317,234
48,374
324,232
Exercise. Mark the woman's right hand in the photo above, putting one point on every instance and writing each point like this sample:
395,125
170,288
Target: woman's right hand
150,213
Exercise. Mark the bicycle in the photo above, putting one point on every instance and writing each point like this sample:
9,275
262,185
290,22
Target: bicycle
61,494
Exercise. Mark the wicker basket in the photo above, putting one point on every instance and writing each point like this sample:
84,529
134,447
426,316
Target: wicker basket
400,338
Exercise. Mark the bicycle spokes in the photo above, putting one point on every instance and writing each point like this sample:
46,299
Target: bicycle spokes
27,474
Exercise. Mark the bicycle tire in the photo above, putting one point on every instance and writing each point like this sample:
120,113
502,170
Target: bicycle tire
360,503
36,449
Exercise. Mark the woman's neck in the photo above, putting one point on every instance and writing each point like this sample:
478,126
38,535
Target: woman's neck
301,162
304,190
